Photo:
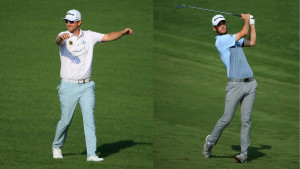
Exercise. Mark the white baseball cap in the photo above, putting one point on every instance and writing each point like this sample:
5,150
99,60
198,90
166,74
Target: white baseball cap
217,18
73,15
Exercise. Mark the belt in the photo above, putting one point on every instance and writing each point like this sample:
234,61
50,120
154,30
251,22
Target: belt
249,79
80,81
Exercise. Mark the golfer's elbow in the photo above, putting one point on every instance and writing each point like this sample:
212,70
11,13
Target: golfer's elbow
253,43
58,41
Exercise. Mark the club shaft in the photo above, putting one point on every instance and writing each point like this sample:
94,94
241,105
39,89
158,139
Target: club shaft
210,10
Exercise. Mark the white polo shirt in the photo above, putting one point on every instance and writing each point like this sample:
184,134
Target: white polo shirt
76,54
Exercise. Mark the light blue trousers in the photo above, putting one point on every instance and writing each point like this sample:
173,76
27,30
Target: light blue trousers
69,95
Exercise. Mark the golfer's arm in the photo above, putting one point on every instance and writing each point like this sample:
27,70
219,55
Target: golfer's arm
252,39
243,32
59,40
113,36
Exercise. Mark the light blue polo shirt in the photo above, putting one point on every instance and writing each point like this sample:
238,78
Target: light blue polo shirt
233,57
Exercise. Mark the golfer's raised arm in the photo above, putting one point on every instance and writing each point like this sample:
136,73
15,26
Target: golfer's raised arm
245,28
252,38
115,35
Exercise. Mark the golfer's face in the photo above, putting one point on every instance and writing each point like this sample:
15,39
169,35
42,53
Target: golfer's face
221,28
71,26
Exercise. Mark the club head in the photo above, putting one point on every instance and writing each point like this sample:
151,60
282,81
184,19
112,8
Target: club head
179,6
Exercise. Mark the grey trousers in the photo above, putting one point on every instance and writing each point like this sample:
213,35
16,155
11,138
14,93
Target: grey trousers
237,92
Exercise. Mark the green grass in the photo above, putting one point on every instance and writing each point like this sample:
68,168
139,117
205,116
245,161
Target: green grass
168,71
190,80
122,71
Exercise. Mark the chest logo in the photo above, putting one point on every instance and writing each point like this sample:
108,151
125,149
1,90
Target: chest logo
70,43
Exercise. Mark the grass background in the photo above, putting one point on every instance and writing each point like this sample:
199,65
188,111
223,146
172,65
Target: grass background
122,71
190,80
186,97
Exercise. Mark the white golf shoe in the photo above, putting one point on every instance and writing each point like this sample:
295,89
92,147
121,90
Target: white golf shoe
241,158
57,153
94,158
206,149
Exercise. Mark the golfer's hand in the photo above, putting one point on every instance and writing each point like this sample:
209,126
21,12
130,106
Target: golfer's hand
128,31
245,17
65,36
60,38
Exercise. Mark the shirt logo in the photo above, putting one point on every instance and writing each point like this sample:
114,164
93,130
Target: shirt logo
70,43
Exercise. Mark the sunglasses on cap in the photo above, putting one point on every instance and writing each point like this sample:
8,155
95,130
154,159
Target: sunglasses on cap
67,21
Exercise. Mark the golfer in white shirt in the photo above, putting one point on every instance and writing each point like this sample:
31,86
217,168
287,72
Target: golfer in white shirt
76,55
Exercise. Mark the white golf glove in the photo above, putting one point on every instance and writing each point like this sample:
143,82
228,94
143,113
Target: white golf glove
252,20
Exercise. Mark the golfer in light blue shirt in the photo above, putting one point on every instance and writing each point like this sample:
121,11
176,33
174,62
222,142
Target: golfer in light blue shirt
241,87
233,57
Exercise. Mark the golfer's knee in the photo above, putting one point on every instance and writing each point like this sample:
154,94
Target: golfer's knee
225,122
246,121
65,122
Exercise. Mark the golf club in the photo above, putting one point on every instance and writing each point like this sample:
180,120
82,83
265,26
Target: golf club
208,10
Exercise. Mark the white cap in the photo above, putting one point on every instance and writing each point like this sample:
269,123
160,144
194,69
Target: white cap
73,15
217,18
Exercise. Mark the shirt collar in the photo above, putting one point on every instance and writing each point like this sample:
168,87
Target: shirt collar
80,34
218,36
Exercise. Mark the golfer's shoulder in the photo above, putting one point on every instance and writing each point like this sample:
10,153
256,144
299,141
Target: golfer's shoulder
220,39
90,33
86,32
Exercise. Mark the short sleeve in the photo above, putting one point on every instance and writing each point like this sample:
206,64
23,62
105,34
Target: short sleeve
240,42
96,37
226,41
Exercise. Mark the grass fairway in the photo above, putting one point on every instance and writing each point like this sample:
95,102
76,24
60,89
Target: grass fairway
122,71
190,80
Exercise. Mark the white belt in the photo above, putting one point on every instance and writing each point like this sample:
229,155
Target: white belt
80,81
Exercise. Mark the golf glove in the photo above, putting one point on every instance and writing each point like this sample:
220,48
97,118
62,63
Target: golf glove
252,20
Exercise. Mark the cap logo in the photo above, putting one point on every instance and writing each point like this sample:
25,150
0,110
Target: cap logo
218,18
70,43
70,14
